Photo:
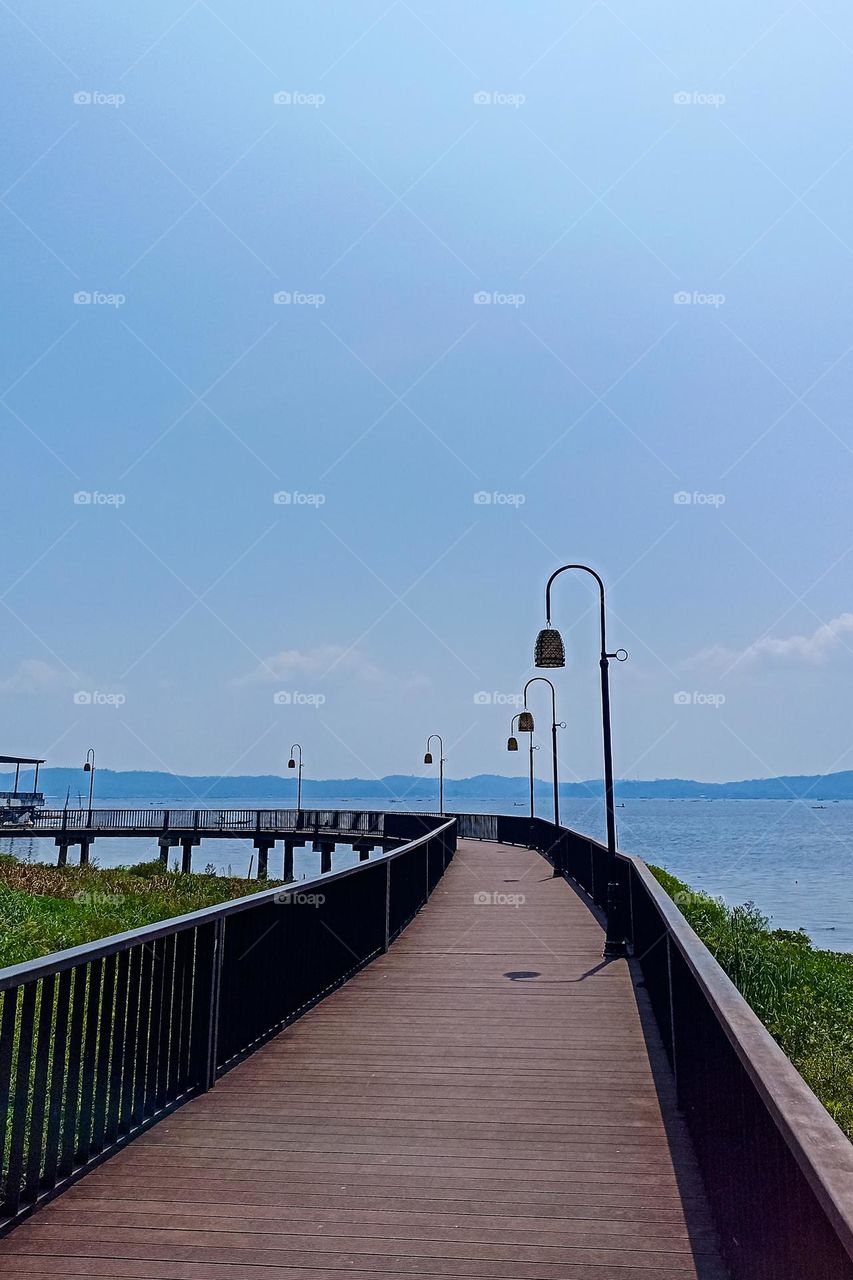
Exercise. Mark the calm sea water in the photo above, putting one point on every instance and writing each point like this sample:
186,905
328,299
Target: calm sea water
794,861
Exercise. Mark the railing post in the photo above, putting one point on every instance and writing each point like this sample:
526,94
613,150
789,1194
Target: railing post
212,1047
671,1013
387,905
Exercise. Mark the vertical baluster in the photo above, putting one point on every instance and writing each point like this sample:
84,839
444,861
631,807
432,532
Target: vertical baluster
163,1032
7,1041
155,1049
38,1103
21,1101
130,1061
58,1075
144,1033
74,1056
90,1060
117,1034
102,1060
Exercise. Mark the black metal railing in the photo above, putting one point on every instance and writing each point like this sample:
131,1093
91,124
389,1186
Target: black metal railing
777,1169
99,1041
208,821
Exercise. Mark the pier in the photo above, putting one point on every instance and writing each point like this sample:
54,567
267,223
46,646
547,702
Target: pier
186,828
418,1066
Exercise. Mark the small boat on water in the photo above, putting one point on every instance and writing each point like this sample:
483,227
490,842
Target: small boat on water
17,807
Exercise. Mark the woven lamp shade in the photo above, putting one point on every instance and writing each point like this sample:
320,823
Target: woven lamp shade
550,650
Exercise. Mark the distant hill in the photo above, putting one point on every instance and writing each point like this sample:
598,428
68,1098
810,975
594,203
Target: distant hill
114,785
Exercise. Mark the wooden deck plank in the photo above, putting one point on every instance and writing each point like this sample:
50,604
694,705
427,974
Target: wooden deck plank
438,1116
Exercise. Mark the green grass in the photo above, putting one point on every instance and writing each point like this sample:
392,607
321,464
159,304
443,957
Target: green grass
804,996
45,909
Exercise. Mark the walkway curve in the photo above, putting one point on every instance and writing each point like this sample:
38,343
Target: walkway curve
486,1100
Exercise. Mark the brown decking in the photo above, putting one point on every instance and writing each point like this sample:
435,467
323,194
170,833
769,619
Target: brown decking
434,1117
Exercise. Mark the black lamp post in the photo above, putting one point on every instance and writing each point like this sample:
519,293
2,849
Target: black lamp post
550,652
89,767
555,725
525,725
291,764
428,760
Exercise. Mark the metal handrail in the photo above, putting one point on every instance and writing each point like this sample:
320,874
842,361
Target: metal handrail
57,961
822,1151
761,1135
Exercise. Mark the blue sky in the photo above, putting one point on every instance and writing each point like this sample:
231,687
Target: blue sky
655,202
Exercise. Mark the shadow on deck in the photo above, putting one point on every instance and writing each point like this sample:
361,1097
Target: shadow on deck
487,1099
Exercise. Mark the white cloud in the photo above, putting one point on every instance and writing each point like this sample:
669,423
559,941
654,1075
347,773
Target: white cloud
33,676
325,660
813,649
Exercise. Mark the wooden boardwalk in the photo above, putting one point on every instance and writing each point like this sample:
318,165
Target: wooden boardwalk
482,1101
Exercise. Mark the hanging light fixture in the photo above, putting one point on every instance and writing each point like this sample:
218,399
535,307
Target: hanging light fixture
525,722
550,650
428,757
512,744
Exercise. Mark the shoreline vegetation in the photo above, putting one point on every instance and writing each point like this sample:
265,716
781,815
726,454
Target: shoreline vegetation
804,996
45,909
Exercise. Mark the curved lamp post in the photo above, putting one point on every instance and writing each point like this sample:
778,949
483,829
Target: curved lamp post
291,764
550,652
555,725
89,767
524,726
428,760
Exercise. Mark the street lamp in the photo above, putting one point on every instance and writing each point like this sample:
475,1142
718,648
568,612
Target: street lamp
428,760
555,725
550,652
525,725
291,764
89,767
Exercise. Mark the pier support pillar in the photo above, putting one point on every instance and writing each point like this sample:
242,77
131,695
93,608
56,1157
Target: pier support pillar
287,869
62,855
263,847
187,846
165,845
85,845
327,848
